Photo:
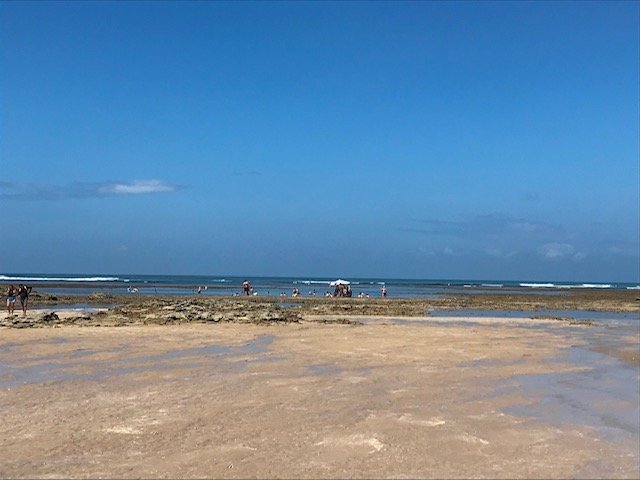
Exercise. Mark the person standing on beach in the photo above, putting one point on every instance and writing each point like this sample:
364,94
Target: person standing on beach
246,287
383,291
11,299
23,293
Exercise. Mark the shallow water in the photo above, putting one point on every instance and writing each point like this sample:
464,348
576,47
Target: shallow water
259,345
84,307
604,396
573,314
65,366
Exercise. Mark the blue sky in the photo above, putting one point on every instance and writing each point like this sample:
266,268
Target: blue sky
420,140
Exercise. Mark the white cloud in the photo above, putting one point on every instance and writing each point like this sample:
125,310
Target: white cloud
137,187
32,191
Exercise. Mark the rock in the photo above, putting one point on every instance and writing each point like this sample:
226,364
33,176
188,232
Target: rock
98,296
50,317
80,319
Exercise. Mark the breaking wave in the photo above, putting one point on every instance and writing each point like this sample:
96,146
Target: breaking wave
60,279
553,285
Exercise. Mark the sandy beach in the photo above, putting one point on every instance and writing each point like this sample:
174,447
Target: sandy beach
187,388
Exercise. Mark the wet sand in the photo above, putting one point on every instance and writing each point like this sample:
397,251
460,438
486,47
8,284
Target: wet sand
236,388
370,399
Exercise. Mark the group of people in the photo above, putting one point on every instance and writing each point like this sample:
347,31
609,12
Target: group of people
22,292
342,290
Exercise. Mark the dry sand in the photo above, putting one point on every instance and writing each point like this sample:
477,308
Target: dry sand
293,400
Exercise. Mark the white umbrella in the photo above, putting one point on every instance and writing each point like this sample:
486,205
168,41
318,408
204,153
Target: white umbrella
339,282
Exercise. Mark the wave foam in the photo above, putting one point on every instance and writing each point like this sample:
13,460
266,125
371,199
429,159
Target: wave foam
60,279
553,285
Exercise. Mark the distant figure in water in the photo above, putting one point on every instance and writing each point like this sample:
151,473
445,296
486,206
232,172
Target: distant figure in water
11,299
23,293
246,288
383,291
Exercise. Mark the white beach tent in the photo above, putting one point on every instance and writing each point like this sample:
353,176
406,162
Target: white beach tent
339,282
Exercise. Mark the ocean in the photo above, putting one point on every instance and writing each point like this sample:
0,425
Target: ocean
82,284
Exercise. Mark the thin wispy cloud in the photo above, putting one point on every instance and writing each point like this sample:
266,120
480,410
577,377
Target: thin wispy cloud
34,191
560,251
499,253
499,236
139,187
493,224
629,250
531,196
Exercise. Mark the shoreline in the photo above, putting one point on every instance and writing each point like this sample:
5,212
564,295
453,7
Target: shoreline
597,300
283,286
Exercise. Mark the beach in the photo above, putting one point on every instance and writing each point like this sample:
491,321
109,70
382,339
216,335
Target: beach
194,387
320,240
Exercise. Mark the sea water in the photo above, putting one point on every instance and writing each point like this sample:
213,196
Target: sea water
122,284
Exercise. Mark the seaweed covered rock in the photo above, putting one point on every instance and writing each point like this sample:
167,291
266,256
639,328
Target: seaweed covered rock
48,318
